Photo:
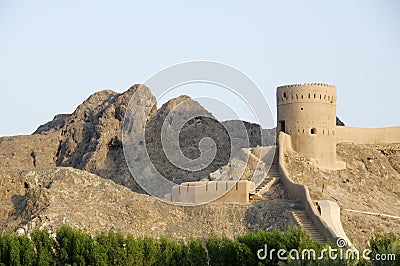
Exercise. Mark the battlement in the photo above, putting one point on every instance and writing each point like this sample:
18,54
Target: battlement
307,92
305,85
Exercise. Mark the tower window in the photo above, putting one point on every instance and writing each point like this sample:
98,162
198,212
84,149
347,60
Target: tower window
302,108
309,96
284,95
282,126
315,95
313,131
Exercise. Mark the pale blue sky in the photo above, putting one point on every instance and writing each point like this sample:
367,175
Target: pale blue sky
54,54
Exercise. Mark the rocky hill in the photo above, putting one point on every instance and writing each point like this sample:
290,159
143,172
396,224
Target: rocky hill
90,139
72,170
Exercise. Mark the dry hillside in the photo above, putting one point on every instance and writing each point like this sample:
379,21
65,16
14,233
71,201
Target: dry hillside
371,183
53,196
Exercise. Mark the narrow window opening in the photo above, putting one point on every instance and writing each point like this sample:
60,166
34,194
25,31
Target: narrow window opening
309,96
282,126
313,131
302,108
315,96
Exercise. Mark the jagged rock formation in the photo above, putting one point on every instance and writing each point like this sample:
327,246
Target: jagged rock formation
196,124
229,137
90,139
56,124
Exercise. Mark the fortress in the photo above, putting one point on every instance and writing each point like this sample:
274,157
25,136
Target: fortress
306,123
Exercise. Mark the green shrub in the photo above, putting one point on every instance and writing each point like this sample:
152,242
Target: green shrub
385,245
196,254
76,247
45,247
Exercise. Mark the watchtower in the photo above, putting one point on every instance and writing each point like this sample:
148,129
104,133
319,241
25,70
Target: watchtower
307,112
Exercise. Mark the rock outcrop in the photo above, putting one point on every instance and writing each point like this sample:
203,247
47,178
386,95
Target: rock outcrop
91,137
56,124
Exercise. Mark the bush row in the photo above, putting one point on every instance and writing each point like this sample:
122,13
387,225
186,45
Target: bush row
76,247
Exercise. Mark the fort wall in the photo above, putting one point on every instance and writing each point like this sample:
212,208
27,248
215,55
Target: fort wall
301,193
368,135
215,191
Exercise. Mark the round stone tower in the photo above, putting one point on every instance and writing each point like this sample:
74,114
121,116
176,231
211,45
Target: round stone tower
307,112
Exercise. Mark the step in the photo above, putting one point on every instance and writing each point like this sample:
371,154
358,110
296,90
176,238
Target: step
306,223
264,187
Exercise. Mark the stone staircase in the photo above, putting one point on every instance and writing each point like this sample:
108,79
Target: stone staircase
305,222
270,179
250,165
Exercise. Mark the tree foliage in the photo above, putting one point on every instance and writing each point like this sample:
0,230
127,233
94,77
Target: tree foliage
77,247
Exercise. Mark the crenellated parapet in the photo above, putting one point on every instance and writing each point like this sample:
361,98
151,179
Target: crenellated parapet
308,92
